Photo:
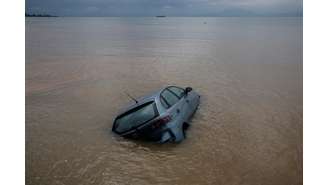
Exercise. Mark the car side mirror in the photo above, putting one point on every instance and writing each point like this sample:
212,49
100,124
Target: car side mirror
187,90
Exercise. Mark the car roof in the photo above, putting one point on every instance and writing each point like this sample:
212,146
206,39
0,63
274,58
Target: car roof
144,99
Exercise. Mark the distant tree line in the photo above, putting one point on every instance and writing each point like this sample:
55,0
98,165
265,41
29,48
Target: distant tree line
39,15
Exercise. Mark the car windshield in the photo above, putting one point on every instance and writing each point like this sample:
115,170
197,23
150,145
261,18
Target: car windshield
135,117
168,98
177,91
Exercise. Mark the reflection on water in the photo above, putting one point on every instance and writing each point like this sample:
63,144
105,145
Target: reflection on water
247,130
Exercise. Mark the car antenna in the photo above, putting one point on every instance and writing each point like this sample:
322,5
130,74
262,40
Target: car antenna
131,97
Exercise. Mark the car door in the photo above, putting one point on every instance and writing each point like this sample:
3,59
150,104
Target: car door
175,108
193,99
184,102
170,102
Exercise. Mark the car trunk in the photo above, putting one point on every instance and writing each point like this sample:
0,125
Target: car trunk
147,131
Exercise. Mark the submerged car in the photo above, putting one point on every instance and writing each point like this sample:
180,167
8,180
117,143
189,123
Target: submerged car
161,117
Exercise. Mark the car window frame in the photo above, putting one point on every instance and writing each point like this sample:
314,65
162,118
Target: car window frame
164,102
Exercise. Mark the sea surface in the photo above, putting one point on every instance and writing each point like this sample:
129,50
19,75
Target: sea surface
248,129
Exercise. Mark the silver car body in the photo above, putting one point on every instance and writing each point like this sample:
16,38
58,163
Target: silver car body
179,113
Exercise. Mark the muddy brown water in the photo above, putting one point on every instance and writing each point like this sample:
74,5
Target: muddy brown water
247,130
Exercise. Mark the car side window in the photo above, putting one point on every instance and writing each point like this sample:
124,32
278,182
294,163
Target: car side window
176,90
169,98
164,103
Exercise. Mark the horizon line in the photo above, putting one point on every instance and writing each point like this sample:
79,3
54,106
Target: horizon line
155,16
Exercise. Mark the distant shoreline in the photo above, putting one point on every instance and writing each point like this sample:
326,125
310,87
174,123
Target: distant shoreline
39,15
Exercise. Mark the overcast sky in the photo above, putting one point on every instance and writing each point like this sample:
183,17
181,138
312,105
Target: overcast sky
166,7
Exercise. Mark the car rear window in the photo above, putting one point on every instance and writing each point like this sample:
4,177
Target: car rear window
135,117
